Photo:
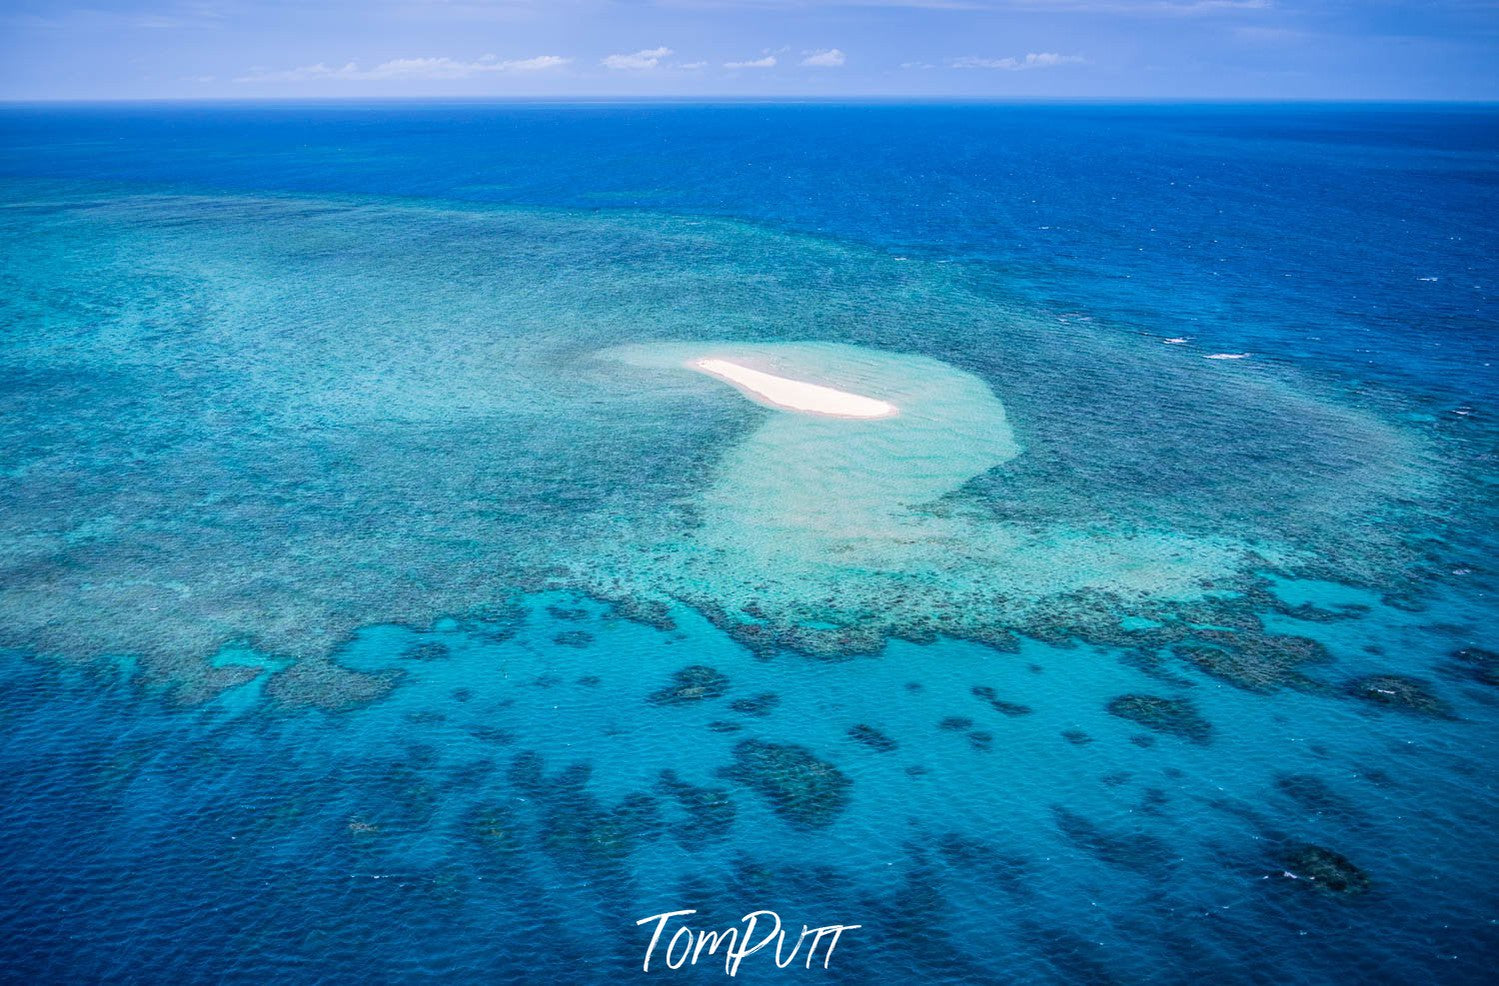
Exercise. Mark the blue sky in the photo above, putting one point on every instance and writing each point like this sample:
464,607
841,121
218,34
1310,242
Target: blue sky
1005,49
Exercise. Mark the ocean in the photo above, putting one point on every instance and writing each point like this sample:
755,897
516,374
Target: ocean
383,598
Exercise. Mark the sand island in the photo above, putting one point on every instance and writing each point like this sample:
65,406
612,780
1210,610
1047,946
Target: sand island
795,395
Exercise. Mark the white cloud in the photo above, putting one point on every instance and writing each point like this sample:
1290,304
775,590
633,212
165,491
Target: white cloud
537,64
1044,59
694,65
769,61
407,68
830,58
647,58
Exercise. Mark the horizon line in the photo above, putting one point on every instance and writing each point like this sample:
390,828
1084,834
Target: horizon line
783,99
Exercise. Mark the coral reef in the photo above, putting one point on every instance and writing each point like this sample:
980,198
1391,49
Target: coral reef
209,682
710,811
577,829
1313,794
759,706
998,704
691,684
806,791
430,650
1395,691
872,738
1476,664
1255,662
1172,716
324,685
495,827
1325,871
1131,850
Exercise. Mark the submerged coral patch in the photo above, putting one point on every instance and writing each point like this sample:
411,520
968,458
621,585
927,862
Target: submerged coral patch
1400,692
325,685
1476,664
1172,716
691,684
802,788
873,738
998,704
1325,870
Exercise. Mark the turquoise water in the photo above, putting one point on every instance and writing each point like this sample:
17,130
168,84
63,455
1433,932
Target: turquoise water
384,597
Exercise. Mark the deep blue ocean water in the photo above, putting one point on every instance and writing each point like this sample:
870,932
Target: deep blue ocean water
344,577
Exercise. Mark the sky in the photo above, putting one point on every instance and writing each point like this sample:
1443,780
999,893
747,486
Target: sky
988,49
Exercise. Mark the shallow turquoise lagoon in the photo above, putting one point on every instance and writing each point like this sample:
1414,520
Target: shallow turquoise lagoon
385,597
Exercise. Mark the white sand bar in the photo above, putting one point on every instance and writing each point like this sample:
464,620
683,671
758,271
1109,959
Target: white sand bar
795,395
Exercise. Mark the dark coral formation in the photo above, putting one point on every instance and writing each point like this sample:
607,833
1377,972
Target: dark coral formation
828,645
485,733
1326,871
495,622
431,650
710,811
1475,664
981,741
495,827
591,834
691,684
998,704
955,724
1077,737
210,681
325,685
573,638
1308,613
1313,794
765,639
1153,802
577,829
1130,850
567,613
647,612
1395,691
1172,716
872,738
987,862
804,790
1255,662
760,705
